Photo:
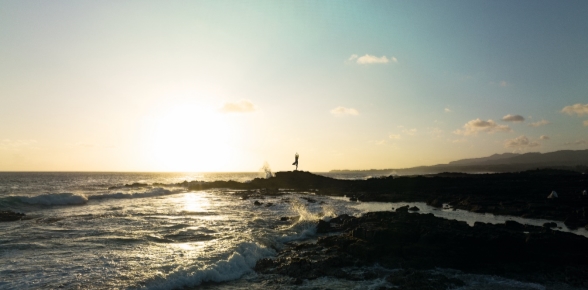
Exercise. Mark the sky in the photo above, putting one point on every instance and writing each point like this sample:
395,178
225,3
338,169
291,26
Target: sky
204,86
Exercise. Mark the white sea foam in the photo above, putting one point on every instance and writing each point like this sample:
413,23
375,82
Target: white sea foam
54,199
241,262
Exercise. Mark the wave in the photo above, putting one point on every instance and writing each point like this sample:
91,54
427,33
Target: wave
66,198
241,262
150,193
47,199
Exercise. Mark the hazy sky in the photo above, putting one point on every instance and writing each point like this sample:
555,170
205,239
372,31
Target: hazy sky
227,85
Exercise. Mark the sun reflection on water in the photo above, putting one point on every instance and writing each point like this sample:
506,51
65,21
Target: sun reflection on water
195,202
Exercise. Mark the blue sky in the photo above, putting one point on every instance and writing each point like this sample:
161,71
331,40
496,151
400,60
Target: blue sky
227,85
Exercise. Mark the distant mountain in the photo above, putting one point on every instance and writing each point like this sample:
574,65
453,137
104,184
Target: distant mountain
507,162
483,159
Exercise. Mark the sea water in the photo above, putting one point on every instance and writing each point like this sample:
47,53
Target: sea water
89,231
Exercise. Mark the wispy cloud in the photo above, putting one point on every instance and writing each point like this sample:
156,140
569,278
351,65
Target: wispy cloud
502,84
342,111
447,110
544,137
395,136
476,126
539,123
84,145
8,144
520,142
513,118
242,106
435,132
576,143
578,109
410,132
371,59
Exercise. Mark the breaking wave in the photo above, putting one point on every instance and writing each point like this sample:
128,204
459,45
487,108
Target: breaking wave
47,199
241,262
66,198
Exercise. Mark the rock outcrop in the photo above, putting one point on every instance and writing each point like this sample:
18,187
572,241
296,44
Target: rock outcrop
421,241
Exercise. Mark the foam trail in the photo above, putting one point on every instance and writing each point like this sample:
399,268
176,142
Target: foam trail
238,264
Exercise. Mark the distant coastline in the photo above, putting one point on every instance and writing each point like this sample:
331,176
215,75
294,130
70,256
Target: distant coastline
574,160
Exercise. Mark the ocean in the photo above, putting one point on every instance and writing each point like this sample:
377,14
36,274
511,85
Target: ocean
89,231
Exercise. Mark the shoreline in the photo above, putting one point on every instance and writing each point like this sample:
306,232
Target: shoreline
520,194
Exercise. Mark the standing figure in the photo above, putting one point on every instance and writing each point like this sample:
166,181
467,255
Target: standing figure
296,161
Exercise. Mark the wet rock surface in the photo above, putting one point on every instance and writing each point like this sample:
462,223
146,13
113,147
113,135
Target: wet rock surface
419,242
9,216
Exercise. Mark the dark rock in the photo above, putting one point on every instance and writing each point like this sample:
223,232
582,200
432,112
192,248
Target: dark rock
573,222
550,225
411,279
284,218
422,241
257,203
323,227
9,216
514,225
268,204
435,203
414,208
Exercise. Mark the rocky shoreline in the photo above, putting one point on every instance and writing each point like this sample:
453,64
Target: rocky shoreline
522,194
417,243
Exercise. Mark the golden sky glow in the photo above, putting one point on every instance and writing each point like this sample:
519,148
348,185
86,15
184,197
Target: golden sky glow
226,86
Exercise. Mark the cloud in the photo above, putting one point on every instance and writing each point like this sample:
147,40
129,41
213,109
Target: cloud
394,136
520,142
539,123
8,144
371,59
586,123
502,84
476,126
242,106
578,142
341,111
513,118
381,142
577,109
544,137
410,132
85,145
435,132
447,110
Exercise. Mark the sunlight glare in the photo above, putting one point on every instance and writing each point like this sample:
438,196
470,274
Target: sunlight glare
189,138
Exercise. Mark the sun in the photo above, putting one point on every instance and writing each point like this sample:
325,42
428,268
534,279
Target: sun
188,138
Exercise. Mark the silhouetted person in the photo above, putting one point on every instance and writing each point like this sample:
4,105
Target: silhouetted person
296,161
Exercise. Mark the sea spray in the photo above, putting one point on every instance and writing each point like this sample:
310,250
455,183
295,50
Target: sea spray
266,171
